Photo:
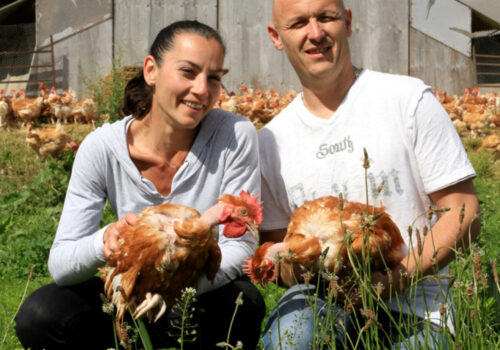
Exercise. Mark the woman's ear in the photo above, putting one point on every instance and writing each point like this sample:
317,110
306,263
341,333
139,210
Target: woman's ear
149,70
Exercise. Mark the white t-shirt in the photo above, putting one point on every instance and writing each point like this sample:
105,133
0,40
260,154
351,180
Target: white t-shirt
412,145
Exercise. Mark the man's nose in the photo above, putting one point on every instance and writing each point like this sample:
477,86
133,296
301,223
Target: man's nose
316,32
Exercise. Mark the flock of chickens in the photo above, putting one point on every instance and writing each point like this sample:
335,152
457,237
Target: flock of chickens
475,114
55,108
63,108
257,105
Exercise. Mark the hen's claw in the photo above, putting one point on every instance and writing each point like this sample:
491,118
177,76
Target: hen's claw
147,307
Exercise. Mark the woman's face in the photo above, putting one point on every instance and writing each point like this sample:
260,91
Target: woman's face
188,81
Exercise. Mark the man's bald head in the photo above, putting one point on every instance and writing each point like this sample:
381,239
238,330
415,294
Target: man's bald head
278,5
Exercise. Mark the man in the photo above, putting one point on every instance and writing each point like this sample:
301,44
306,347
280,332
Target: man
315,148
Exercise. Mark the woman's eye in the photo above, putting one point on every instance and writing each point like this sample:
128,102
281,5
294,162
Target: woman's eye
187,71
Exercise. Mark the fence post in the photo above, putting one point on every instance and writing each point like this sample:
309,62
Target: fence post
52,59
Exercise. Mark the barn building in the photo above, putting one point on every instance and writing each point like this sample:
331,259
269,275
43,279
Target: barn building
449,44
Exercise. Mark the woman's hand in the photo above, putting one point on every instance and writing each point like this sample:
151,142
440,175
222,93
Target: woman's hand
112,234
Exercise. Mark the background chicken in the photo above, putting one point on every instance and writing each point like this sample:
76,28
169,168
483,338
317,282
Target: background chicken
49,141
337,226
84,111
169,248
5,109
59,106
25,108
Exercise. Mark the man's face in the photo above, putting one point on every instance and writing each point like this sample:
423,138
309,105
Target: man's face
314,35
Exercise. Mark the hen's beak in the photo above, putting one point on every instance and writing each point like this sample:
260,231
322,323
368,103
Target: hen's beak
253,229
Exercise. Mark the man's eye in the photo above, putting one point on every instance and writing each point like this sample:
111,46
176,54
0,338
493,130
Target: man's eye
297,25
324,19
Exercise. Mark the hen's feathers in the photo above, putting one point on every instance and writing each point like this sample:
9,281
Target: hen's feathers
27,109
327,225
323,220
167,250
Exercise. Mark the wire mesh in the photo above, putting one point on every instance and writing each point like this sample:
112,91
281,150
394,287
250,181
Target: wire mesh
17,54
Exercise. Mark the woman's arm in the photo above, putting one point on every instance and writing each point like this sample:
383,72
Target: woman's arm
76,252
241,172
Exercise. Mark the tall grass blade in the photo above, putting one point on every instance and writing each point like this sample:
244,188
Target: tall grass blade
18,307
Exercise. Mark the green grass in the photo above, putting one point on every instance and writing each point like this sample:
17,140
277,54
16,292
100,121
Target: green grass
31,203
11,296
31,197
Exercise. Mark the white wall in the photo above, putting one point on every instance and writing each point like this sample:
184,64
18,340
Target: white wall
447,21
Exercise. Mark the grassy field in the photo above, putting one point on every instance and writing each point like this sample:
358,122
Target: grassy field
32,192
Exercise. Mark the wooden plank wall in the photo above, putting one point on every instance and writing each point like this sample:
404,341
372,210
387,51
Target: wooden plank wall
381,40
82,32
137,22
251,56
439,65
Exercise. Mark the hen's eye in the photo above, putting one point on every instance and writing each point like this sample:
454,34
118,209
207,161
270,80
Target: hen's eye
243,211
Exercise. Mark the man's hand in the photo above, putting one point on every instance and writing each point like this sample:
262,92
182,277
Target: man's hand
112,234
392,282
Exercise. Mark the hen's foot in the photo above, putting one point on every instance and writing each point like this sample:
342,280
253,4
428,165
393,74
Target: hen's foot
153,307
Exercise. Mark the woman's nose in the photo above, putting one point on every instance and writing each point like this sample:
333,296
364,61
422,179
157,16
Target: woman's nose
200,86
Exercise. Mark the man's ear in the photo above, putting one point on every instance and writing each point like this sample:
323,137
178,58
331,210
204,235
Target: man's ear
348,21
275,37
149,70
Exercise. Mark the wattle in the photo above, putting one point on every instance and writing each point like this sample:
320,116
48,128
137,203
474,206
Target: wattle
233,230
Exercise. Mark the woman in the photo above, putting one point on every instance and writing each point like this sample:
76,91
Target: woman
172,147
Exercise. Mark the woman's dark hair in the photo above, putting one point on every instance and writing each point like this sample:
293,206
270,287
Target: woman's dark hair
139,95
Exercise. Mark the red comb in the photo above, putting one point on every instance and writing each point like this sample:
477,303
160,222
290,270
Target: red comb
255,206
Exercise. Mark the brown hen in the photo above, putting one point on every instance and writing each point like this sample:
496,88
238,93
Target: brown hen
49,141
338,228
5,109
169,248
25,108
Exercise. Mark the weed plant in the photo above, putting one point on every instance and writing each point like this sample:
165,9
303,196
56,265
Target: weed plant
108,91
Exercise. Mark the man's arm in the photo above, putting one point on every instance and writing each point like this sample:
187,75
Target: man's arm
450,231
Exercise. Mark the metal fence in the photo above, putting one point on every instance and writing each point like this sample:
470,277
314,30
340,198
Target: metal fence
17,67
19,71
486,56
